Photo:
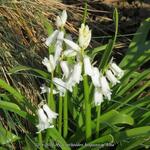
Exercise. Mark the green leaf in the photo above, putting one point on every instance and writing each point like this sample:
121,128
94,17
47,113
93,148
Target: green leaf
102,140
134,82
110,46
139,50
6,136
132,133
25,68
11,90
9,106
54,134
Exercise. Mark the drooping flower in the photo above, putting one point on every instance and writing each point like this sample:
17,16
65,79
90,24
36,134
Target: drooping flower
87,66
98,96
116,70
60,85
76,74
105,87
65,68
111,77
50,114
58,46
96,77
61,20
45,89
49,63
73,45
52,38
84,36
45,116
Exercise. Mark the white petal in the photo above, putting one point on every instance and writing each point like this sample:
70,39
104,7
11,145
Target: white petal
51,115
58,22
98,96
51,38
111,78
45,89
61,85
73,45
58,46
65,68
76,75
87,66
69,53
41,115
105,87
49,63
116,70
95,77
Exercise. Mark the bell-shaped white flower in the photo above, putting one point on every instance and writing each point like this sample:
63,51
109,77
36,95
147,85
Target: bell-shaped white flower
50,114
105,87
61,20
116,70
65,68
43,120
58,46
69,53
61,86
98,96
45,89
73,45
95,77
76,74
111,78
49,63
87,66
52,38
84,36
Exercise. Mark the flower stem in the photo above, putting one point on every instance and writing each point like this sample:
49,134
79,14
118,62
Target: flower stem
40,140
98,109
60,115
87,108
65,115
51,101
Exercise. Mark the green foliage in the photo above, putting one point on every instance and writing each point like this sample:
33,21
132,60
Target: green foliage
123,120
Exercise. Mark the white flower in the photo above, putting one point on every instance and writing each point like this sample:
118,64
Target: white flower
58,46
116,70
84,36
65,68
50,114
69,53
95,77
52,38
98,96
61,20
87,66
105,87
61,86
73,45
45,89
43,121
111,78
49,63
76,74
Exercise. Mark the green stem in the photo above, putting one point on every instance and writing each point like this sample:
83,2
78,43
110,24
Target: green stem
40,141
85,12
87,108
51,101
65,115
60,115
98,109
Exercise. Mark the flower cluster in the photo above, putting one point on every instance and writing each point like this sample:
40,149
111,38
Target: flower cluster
73,73
46,116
